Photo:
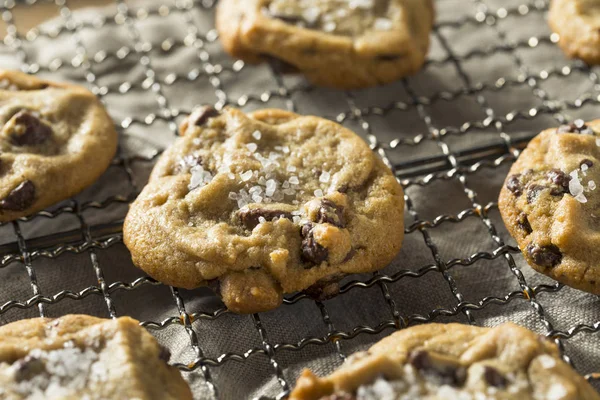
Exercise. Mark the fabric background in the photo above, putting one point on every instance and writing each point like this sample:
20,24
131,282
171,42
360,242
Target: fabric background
487,80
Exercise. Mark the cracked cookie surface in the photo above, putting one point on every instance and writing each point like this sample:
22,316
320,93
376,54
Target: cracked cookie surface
343,44
452,361
264,204
577,22
55,139
550,204
84,357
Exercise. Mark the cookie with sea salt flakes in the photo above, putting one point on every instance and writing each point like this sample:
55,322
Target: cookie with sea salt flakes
551,206
55,139
343,44
577,23
452,361
264,204
84,357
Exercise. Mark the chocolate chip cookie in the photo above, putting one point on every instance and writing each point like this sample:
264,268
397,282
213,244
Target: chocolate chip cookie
550,204
452,361
343,44
264,204
83,357
577,22
55,139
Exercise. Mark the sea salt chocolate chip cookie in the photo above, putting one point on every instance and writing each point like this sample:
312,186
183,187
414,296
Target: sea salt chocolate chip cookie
550,204
577,22
264,204
453,361
343,44
83,357
55,139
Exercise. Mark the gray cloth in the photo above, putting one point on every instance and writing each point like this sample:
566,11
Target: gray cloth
112,58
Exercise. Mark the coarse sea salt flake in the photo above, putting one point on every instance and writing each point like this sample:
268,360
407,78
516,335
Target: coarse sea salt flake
252,147
262,220
592,185
329,26
546,361
296,219
233,195
257,198
584,167
325,176
256,135
581,198
318,193
598,142
246,175
294,180
311,15
291,168
383,24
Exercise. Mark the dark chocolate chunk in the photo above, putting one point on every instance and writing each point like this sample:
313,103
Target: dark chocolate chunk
533,192
29,130
493,377
249,217
202,114
447,372
164,354
523,223
514,184
331,213
27,367
559,180
545,256
288,19
577,126
312,251
389,57
325,288
587,162
20,198
215,285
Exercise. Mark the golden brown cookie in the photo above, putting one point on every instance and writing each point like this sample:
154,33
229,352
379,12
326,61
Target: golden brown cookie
55,139
452,361
550,204
84,357
344,44
265,204
577,22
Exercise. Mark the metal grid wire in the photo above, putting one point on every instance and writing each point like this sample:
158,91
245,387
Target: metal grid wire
435,166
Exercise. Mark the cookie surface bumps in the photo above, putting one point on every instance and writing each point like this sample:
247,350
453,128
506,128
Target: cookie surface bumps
264,204
452,361
55,139
341,44
549,203
79,356
577,22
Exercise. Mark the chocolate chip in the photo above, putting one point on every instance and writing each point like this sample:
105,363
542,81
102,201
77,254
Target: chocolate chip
533,192
312,251
288,19
587,162
202,114
164,354
29,130
559,180
449,373
344,188
578,126
545,256
249,217
215,285
493,377
350,255
513,183
325,288
523,223
20,198
389,57
27,367
331,213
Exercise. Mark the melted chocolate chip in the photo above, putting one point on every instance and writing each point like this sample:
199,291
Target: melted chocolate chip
447,373
29,130
288,19
164,354
27,367
587,162
523,223
493,377
20,198
344,188
215,285
514,184
389,57
533,191
249,217
331,213
312,251
325,288
202,114
578,126
559,181
545,256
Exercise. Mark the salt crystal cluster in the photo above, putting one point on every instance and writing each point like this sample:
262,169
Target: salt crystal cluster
200,177
576,188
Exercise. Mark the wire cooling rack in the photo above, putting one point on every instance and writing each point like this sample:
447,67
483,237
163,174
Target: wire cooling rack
495,70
